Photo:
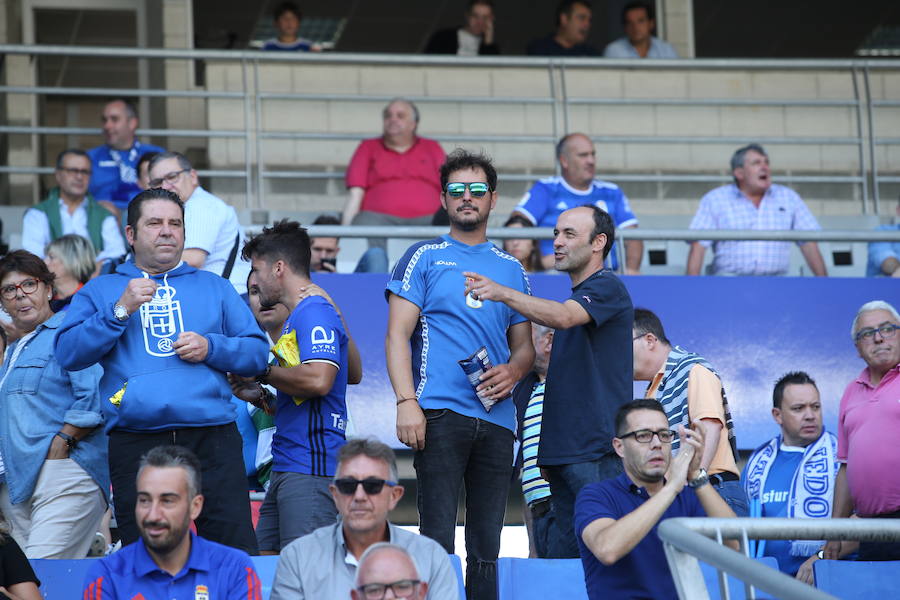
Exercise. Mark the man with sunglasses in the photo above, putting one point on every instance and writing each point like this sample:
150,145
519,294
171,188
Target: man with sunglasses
460,433
868,481
70,208
365,489
616,519
213,237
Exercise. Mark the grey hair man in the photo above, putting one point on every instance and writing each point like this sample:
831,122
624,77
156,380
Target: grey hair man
365,489
868,482
385,566
753,202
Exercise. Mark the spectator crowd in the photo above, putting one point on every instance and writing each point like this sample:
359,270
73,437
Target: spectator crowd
147,339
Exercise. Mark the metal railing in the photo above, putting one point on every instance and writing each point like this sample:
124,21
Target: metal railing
687,540
864,174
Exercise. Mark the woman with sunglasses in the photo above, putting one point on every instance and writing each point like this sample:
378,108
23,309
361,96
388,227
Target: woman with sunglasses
52,445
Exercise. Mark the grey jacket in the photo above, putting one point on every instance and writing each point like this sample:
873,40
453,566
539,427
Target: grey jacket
318,567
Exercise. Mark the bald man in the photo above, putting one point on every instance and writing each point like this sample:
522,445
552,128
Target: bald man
385,566
550,197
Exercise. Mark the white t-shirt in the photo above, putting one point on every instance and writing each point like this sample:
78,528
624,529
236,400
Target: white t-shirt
212,226
468,43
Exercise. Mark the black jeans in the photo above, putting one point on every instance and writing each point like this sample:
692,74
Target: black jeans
565,483
459,450
225,517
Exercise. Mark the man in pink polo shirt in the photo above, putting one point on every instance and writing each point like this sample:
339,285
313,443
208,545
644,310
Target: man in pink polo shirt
868,481
394,179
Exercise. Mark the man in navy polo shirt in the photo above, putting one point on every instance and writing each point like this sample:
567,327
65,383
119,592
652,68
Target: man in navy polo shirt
169,562
590,369
458,434
616,519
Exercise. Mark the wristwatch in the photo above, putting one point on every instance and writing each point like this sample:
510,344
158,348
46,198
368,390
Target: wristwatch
700,480
263,377
71,442
120,312
821,554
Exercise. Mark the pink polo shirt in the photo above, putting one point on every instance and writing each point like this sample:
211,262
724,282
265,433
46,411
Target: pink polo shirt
406,184
868,434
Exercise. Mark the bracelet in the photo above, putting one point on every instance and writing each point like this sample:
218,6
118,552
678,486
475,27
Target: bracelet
263,402
264,377
71,442
402,400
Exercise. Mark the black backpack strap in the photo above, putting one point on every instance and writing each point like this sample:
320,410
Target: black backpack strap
226,273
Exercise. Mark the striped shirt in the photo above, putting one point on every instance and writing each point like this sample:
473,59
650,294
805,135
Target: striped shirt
534,487
726,207
212,226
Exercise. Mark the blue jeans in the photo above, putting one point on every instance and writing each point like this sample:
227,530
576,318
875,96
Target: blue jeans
565,483
545,532
464,450
373,260
733,494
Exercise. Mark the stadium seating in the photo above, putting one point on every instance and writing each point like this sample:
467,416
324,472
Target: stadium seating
854,580
457,568
61,579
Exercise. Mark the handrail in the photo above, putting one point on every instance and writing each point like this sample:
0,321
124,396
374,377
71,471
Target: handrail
687,539
699,64
253,135
543,233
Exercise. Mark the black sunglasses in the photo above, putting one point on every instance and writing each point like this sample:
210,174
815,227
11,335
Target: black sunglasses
371,485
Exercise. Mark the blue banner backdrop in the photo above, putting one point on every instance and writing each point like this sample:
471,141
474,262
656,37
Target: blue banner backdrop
752,330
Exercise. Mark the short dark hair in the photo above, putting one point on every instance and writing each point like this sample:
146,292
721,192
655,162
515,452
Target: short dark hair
472,3
135,207
371,448
629,407
177,457
646,321
74,151
603,223
23,261
326,219
792,378
567,6
130,108
285,240
635,5
286,7
146,157
461,159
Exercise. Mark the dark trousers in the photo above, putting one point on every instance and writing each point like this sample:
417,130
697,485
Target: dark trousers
466,450
225,517
880,550
565,483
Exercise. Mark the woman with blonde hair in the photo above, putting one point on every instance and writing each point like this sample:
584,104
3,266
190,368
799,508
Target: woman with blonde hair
72,261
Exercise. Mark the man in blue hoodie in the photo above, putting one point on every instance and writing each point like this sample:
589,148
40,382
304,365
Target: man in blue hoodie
166,334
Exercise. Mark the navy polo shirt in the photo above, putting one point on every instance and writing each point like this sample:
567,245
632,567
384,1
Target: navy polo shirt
212,572
643,572
589,376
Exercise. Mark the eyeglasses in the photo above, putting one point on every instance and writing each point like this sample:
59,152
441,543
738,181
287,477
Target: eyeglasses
404,588
371,485
458,189
886,331
73,171
645,435
170,177
28,286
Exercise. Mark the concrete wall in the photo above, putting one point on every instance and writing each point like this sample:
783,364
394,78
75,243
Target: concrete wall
735,124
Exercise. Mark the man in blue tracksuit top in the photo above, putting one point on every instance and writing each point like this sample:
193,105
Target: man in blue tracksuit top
166,334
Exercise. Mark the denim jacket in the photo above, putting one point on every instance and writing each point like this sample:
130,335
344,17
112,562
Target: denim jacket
36,399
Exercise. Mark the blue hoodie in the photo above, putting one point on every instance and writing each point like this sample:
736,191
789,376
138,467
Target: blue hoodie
162,391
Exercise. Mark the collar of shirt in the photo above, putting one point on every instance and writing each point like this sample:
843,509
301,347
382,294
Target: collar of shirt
654,383
341,543
891,373
197,560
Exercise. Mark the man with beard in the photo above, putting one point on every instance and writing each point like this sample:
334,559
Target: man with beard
311,379
461,425
169,561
